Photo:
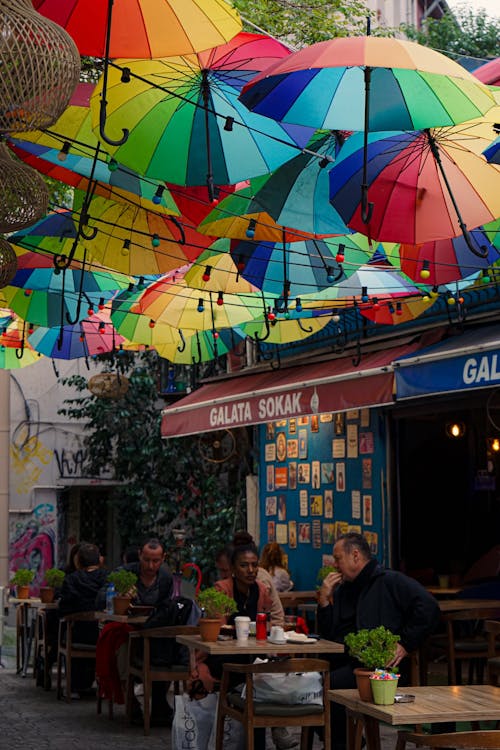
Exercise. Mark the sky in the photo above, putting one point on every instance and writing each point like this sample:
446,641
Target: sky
492,7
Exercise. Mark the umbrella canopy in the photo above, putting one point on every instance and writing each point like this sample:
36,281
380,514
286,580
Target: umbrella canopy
443,261
284,331
14,359
11,329
215,271
424,185
393,313
489,72
89,337
143,28
50,308
200,346
492,152
379,281
412,87
192,101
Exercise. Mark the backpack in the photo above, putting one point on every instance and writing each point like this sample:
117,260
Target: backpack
180,610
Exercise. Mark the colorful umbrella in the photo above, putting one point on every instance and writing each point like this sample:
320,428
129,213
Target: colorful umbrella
489,73
89,337
377,280
14,359
192,101
49,308
201,346
284,331
425,185
194,203
412,87
443,261
393,313
492,153
11,329
215,271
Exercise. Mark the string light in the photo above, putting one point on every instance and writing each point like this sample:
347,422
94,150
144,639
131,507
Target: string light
63,153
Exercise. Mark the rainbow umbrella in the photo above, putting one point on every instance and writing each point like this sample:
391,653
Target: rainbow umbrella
215,271
284,330
89,337
492,152
200,346
14,359
192,102
11,329
489,73
50,308
394,312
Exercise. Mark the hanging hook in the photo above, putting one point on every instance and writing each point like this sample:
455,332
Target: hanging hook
20,350
182,346
81,294
92,231
198,347
104,103
179,226
302,328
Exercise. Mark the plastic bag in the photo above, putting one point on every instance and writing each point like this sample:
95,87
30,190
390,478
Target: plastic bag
194,725
288,688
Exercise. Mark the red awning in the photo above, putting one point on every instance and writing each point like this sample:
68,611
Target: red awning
333,385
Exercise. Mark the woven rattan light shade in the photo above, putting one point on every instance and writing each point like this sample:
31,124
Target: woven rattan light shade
8,263
40,68
108,385
24,194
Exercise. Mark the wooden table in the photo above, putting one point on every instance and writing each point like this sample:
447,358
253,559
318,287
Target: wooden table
433,705
233,647
438,591
451,605
30,605
295,599
129,619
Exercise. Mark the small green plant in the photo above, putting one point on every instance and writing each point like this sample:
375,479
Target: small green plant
124,580
215,603
22,577
372,647
54,577
323,572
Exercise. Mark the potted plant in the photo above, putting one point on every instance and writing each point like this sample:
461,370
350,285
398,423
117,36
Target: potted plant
22,579
215,605
124,582
53,580
373,648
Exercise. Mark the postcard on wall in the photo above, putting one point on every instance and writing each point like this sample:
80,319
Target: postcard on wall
326,417
356,504
316,534
270,430
304,475
364,418
303,503
302,443
303,420
282,533
281,508
366,473
372,539
352,441
367,510
327,475
339,424
352,414
304,533
338,448
341,527
292,448
270,452
314,423
328,503
292,426
316,477
327,560
292,534
340,476
292,476
356,528
316,502
281,446
271,505
328,533
366,442
280,477
280,423
271,531
270,477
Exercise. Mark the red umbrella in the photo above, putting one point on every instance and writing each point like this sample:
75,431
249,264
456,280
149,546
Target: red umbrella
489,72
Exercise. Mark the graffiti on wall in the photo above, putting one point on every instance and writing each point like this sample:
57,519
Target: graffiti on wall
32,542
28,462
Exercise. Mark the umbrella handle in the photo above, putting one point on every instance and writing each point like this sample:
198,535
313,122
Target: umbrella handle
182,345
91,235
102,125
366,207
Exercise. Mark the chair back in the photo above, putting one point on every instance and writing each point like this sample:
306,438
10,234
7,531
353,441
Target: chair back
469,640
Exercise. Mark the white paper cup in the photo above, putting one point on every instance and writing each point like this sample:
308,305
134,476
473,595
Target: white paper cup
277,633
242,625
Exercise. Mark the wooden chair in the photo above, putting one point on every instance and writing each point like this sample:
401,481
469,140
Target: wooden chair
140,667
40,652
478,740
467,640
68,649
252,714
492,628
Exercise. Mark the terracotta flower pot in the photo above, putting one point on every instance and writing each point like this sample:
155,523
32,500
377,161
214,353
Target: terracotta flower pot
23,592
363,683
121,604
47,594
209,629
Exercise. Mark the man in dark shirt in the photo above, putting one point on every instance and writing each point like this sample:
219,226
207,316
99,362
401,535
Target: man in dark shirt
363,594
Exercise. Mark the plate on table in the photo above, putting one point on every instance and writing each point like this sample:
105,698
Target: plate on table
299,638
277,643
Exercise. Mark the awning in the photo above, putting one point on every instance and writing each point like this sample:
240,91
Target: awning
333,385
463,362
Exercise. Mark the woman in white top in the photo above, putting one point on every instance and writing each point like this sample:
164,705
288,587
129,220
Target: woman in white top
273,560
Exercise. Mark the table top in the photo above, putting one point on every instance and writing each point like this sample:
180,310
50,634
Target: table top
443,591
433,704
33,601
451,605
129,619
232,646
297,597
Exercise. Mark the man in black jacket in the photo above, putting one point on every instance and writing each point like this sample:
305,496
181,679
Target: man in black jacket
363,594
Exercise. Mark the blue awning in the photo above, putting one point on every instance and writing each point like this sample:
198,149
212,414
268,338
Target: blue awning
460,363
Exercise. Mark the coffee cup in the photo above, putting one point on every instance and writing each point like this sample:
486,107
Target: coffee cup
277,633
242,625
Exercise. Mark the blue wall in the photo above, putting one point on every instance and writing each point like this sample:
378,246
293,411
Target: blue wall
319,476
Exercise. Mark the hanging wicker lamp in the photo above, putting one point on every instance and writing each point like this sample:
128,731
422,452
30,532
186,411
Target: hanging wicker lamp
24,193
108,385
40,68
8,263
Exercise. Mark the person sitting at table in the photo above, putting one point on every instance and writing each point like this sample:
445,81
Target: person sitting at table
154,588
360,594
272,559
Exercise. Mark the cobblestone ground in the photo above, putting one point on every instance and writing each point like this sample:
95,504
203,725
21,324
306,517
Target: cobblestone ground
33,719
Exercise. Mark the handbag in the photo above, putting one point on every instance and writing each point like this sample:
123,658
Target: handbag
194,725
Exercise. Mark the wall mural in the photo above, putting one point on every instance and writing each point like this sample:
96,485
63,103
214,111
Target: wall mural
32,542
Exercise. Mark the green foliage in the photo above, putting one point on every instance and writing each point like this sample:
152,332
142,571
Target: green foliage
464,32
54,577
124,580
216,603
372,647
163,484
323,572
22,577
